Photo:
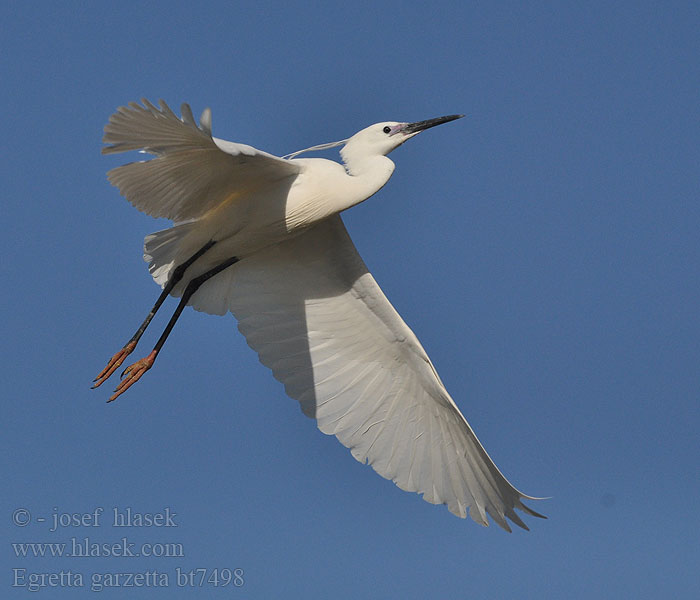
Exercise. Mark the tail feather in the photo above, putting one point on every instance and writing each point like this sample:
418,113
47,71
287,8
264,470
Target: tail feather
161,250
165,250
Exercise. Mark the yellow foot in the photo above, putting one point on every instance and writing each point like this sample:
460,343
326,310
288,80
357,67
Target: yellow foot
132,374
114,363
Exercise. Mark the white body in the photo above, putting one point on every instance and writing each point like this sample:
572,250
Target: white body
243,224
303,297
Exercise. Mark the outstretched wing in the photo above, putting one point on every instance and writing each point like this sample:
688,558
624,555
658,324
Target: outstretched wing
317,318
192,172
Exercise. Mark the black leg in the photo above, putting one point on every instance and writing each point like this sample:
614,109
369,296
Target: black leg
191,288
175,277
134,372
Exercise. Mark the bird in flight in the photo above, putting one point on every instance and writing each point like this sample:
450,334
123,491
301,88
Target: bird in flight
261,236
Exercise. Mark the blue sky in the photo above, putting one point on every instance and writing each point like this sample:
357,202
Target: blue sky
544,249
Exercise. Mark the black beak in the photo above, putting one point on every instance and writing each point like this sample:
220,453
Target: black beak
421,125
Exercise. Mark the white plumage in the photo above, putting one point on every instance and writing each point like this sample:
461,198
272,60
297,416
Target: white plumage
304,298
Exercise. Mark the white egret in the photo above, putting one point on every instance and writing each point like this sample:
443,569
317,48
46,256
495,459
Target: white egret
261,236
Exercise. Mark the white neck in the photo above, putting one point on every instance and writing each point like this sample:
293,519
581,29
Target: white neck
368,174
331,190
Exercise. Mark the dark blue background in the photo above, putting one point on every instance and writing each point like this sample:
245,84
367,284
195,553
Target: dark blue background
544,249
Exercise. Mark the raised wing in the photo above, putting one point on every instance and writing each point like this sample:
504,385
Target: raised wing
193,172
317,318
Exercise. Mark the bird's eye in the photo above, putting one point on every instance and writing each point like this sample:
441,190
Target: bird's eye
386,129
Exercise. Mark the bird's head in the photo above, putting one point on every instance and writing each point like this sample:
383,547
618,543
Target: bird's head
381,138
